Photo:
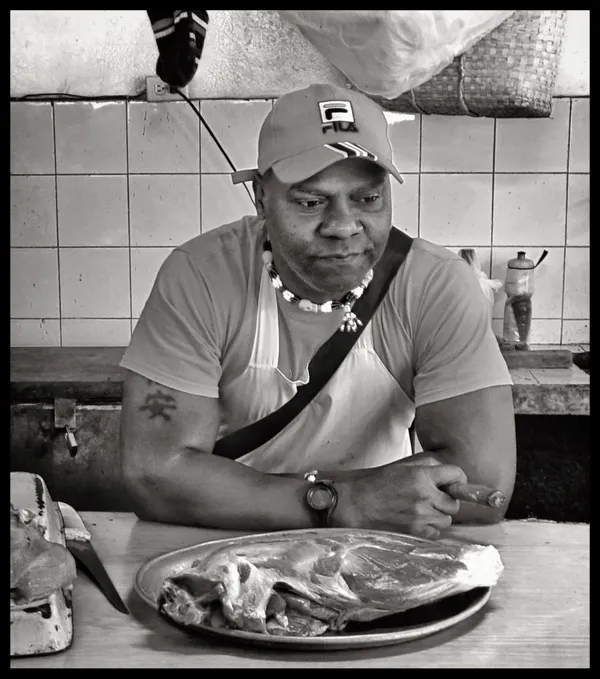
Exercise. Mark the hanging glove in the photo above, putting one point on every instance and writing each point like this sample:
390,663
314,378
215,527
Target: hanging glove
179,35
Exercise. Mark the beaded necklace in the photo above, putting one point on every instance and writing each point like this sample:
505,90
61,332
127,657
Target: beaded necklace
350,322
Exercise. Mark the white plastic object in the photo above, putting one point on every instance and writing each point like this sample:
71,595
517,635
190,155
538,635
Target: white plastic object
43,626
388,52
489,286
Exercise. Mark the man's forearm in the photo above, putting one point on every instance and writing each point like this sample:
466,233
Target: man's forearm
469,512
196,488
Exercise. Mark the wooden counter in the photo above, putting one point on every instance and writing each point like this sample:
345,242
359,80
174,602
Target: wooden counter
537,616
92,374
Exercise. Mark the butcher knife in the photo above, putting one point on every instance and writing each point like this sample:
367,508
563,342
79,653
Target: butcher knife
79,543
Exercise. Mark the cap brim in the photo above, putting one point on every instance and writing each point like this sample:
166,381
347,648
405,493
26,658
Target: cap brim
244,176
304,165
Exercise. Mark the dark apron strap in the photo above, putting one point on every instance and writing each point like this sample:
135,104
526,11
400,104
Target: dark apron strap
327,359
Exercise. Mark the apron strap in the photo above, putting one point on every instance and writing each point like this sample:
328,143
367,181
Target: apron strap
327,359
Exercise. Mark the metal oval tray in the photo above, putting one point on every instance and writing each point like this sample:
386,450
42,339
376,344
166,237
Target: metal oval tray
392,629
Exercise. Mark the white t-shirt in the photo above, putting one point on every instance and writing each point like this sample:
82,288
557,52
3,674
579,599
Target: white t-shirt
432,331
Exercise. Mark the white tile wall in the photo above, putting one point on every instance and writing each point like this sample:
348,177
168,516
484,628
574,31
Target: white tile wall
164,208
534,145
93,210
96,332
90,137
577,284
34,283
575,331
456,208
546,331
578,211
94,283
530,209
136,179
37,332
32,138
457,144
579,156
32,211
163,138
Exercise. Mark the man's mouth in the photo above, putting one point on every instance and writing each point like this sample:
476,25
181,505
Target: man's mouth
341,256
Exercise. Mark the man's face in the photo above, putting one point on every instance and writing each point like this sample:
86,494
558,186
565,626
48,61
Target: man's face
327,231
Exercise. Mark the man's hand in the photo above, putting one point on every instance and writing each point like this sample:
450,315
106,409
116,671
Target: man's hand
468,492
407,498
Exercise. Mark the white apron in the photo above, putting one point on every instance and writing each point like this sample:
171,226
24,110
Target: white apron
359,419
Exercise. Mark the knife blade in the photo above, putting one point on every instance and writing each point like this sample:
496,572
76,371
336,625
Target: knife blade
79,542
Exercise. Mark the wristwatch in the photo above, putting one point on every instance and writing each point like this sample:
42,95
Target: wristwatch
321,498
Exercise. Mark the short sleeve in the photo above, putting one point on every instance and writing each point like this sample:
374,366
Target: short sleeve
456,350
175,340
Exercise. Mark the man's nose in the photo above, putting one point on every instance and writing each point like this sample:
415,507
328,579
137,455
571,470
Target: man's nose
340,221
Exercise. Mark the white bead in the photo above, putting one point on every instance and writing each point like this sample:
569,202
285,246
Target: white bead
326,307
287,295
305,304
277,284
267,257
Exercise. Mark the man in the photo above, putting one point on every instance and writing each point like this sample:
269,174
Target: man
236,315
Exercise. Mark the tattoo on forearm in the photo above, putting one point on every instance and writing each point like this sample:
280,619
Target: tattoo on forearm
158,404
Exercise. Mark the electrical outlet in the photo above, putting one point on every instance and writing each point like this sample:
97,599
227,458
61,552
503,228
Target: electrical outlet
158,90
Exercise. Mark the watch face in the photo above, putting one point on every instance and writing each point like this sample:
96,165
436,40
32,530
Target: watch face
320,497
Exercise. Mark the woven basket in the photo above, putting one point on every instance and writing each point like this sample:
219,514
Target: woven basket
510,73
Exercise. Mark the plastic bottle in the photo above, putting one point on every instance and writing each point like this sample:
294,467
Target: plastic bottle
519,288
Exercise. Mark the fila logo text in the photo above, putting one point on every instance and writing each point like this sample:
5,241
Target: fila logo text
339,127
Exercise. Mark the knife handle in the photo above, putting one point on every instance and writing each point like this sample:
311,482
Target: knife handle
74,527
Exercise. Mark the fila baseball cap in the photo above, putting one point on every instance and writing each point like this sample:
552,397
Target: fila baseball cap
310,129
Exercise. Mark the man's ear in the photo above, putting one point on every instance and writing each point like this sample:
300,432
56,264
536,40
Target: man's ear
259,195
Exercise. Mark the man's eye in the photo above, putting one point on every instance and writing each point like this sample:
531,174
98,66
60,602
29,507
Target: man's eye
309,203
370,199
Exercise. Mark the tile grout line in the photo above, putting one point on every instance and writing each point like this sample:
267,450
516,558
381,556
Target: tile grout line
121,174
419,175
60,325
440,243
73,318
564,277
128,218
126,318
493,194
112,247
200,163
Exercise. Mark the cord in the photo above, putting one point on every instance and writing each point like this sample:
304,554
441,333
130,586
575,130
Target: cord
81,97
206,125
